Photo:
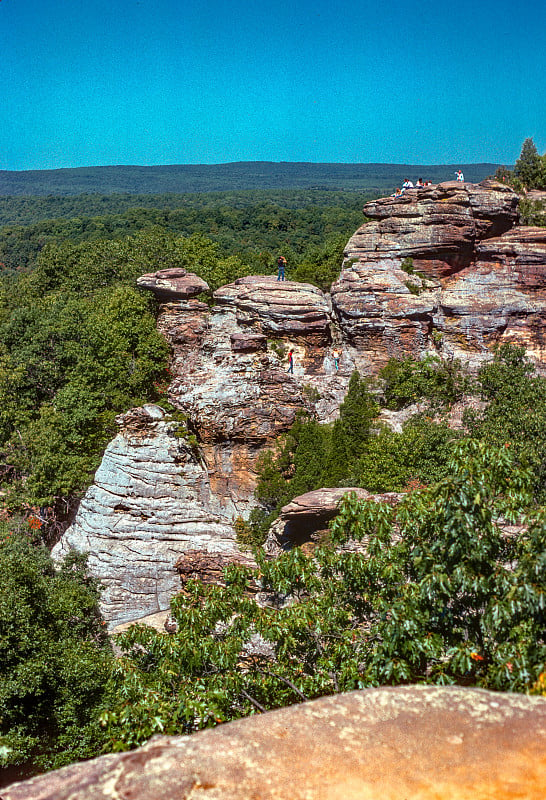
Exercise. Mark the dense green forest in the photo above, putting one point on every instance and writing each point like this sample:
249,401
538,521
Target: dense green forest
255,228
454,599
236,176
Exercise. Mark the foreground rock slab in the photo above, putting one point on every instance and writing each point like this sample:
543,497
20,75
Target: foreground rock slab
423,743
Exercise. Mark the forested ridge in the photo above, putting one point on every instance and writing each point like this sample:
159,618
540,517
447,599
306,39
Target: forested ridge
241,175
458,598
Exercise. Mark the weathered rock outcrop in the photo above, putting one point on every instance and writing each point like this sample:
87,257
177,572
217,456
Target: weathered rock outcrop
417,742
173,284
475,281
501,298
151,500
438,226
278,308
306,517
155,496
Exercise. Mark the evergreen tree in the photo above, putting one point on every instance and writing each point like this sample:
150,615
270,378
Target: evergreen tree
528,167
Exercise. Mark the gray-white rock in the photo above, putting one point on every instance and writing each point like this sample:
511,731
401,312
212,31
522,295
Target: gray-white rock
150,501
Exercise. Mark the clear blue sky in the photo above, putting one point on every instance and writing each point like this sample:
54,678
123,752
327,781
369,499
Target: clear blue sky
206,81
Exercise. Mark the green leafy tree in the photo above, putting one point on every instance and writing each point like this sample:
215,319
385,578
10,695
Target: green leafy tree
515,413
408,380
392,461
441,594
55,656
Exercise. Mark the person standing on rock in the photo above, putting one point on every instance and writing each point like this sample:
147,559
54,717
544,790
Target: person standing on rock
460,176
281,266
336,355
290,362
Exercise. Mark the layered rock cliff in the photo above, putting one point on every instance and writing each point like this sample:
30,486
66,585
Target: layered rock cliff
475,280
442,269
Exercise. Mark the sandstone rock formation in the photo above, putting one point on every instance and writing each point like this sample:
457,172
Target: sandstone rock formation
173,284
418,742
155,496
306,517
475,281
151,500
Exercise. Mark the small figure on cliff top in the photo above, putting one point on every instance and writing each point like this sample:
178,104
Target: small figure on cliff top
281,266
290,362
407,184
419,184
460,176
397,192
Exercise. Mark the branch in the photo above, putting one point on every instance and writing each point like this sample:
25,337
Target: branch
284,680
253,701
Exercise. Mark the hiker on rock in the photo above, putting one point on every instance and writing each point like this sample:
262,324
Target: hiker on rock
281,266
460,176
290,362
336,355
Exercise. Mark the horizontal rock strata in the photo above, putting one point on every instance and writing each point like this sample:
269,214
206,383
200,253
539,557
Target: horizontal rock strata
150,502
474,280
416,742
284,308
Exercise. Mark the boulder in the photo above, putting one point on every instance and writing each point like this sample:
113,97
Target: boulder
173,284
418,742
208,567
248,342
305,519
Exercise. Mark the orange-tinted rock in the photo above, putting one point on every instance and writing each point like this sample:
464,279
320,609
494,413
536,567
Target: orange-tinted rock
418,742
437,226
501,298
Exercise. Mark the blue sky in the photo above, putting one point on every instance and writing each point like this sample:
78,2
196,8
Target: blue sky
204,81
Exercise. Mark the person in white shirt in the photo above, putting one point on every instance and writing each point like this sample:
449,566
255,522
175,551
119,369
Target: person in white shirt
460,176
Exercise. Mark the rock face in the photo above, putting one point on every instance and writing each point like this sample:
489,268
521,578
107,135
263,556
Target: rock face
475,281
284,308
417,742
437,227
155,497
151,500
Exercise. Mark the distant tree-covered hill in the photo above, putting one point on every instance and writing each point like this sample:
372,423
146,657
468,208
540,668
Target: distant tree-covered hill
241,175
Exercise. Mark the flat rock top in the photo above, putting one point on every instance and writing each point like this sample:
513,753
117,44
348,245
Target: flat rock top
405,743
266,289
319,501
173,284
489,194
324,502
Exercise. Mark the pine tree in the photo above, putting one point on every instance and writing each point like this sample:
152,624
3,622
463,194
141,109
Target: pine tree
528,166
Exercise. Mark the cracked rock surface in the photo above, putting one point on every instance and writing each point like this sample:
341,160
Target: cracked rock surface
404,743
